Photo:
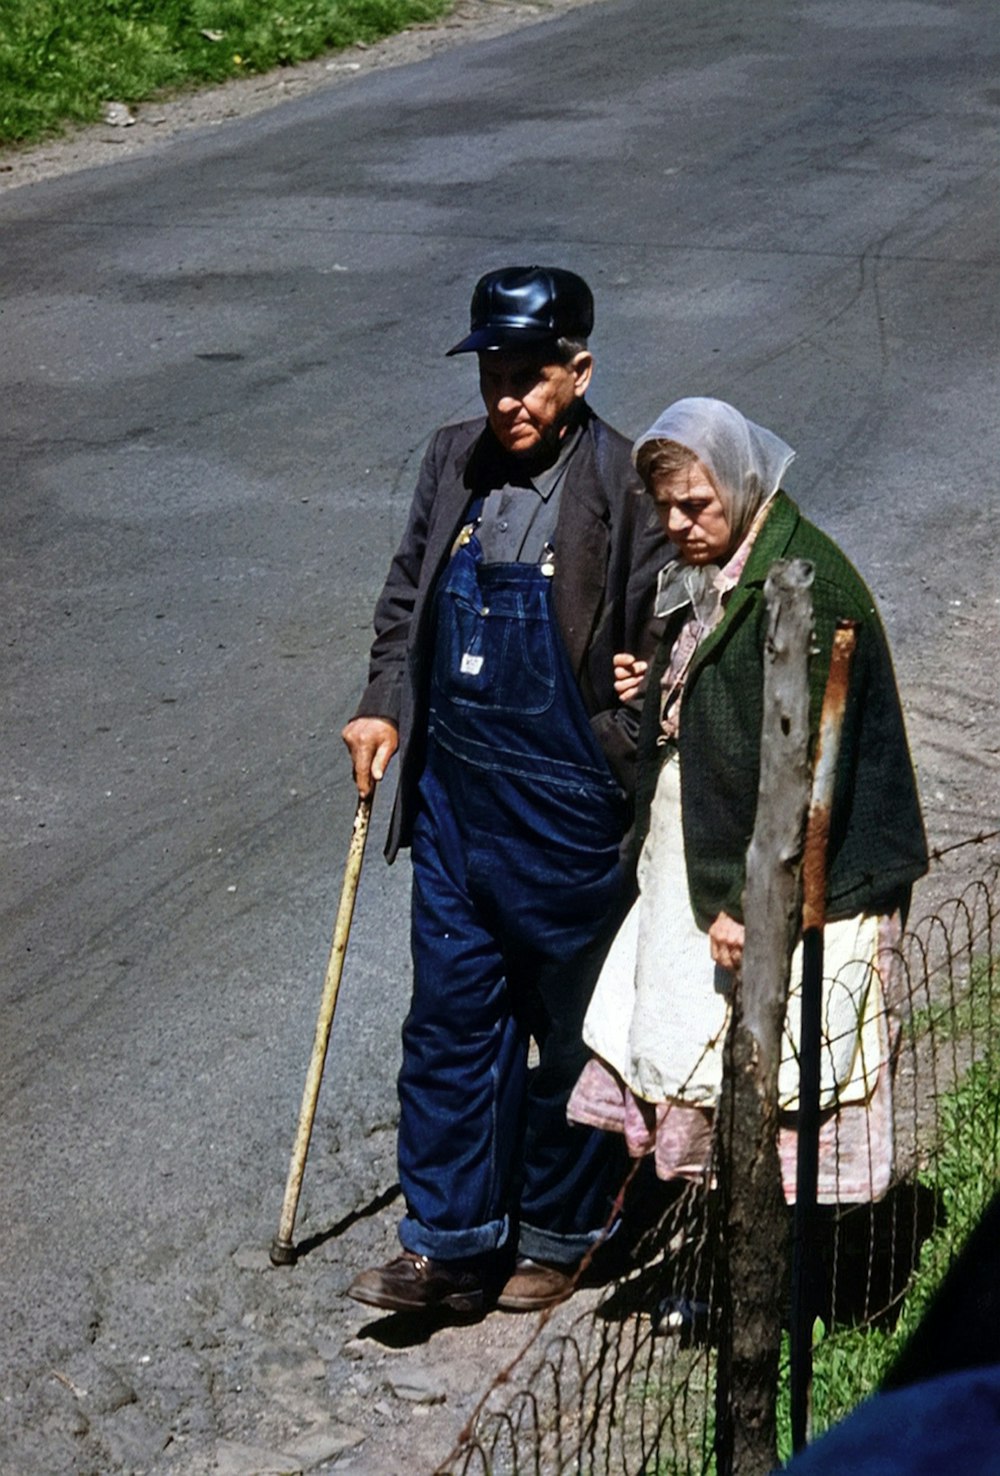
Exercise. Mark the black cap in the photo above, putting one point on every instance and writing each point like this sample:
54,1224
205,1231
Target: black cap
520,306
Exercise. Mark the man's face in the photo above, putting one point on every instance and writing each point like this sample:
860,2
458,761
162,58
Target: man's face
527,396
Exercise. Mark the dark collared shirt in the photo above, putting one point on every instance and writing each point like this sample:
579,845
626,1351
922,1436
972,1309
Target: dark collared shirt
518,521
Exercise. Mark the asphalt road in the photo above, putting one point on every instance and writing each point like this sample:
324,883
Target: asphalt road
219,368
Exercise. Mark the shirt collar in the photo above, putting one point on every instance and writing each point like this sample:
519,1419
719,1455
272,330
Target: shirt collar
546,482
679,585
504,470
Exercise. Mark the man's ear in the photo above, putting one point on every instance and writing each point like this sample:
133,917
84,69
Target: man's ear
582,366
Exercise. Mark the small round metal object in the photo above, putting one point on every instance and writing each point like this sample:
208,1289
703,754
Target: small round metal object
282,1252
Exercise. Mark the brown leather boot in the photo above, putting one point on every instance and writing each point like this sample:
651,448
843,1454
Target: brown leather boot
535,1286
413,1283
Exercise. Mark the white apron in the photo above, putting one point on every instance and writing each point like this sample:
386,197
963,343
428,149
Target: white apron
660,1011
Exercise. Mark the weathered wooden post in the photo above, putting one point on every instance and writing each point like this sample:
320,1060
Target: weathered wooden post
754,1221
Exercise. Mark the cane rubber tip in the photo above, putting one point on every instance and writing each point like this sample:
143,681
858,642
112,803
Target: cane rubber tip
282,1252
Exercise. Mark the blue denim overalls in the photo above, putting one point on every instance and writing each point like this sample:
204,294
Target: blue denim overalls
516,888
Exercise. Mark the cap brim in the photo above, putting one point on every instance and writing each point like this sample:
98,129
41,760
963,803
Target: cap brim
503,337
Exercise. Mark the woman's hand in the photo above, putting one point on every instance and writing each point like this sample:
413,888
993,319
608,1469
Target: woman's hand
371,742
725,938
630,676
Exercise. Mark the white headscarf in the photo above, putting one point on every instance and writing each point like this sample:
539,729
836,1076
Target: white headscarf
745,461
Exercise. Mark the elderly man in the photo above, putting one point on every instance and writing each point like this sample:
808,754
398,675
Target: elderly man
527,563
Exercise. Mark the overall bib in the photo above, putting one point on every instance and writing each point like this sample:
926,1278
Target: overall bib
517,889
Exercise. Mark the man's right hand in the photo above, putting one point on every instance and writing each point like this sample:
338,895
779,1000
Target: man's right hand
630,676
371,742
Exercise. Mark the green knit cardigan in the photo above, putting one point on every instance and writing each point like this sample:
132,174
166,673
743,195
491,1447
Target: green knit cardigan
877,844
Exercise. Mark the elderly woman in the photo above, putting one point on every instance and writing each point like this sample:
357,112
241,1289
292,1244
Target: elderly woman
658,1018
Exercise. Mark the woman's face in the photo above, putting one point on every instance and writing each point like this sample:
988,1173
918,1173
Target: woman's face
692,515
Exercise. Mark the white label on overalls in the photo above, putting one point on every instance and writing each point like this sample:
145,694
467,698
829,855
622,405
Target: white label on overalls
471,665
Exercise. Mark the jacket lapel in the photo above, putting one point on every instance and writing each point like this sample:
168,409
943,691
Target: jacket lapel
453,494
582,526
453,497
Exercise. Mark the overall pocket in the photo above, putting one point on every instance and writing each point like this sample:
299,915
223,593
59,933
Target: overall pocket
495,653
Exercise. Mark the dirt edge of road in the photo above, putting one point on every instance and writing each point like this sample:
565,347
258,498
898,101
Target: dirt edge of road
151,126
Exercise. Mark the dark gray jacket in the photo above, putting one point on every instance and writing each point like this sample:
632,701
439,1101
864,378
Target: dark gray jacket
609,550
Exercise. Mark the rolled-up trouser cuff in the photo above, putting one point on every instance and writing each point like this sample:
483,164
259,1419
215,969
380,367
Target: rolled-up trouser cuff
557,1250
453,1245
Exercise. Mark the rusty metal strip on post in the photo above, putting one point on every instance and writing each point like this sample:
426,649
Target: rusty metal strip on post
824,774
804,1277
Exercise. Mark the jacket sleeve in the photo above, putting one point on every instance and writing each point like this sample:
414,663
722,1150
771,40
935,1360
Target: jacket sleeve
382,696
877,845
646,550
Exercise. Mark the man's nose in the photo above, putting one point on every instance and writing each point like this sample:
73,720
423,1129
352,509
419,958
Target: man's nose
677,522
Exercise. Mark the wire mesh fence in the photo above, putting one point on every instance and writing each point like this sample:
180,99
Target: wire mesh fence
632,1384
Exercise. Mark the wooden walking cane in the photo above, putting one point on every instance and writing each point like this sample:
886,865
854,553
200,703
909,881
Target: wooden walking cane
282,1248
811,1022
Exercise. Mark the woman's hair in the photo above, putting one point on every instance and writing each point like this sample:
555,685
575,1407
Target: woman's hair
656,459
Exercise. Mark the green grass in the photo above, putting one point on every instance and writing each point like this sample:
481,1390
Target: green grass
61,60
850,1364
971,1016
